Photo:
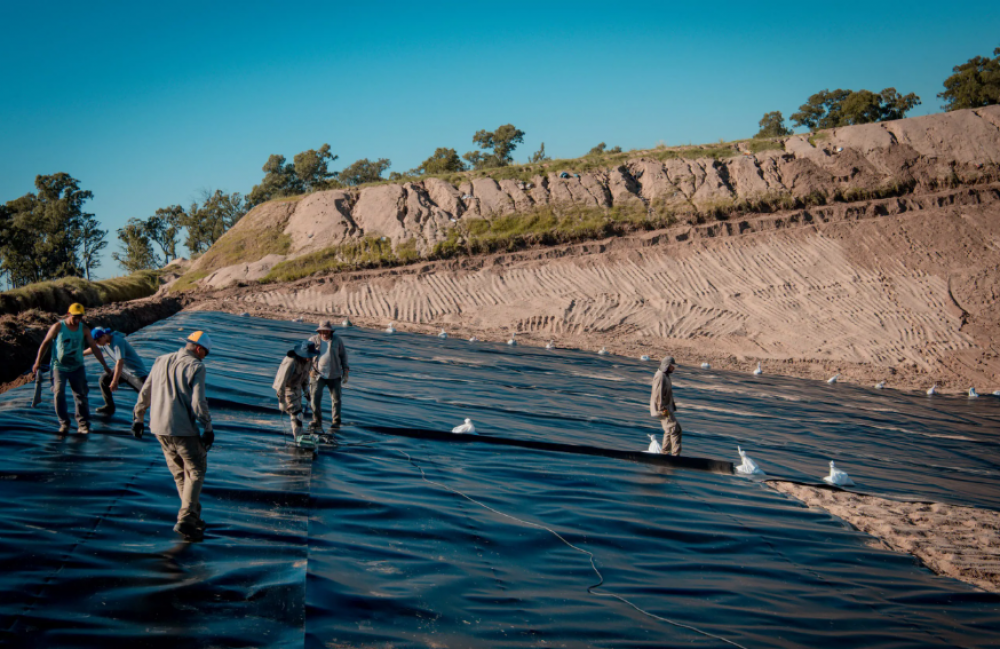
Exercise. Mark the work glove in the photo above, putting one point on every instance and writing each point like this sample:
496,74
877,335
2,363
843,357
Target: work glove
207,439
344,381
138,428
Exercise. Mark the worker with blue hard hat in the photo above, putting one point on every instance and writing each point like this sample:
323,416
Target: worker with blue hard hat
129,366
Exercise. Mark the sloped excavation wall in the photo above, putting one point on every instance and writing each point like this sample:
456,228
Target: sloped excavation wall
850,163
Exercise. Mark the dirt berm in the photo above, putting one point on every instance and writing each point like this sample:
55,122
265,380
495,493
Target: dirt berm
902,288
21,334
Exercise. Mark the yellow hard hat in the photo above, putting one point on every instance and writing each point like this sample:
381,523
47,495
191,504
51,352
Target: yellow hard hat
76,309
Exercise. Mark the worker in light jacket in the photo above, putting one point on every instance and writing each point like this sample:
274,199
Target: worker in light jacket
329,372
174,394
662,406
291,380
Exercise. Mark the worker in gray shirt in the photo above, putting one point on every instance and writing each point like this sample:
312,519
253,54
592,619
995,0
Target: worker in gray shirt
174,394
329,372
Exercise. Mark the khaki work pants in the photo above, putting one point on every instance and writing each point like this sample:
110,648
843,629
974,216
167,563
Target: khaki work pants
293,408
671,434
187,461
316,387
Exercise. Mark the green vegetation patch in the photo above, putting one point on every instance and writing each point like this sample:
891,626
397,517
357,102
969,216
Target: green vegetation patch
56,296
370,252
548,226
247,243
758,146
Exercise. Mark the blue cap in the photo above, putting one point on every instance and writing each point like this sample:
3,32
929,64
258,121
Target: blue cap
97,332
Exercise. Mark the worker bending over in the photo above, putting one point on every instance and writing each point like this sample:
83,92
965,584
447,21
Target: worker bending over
291,380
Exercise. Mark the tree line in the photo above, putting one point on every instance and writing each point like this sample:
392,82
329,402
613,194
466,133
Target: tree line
48,234
973,84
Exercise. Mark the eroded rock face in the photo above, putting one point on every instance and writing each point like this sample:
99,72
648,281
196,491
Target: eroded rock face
245,272
921,149
321,220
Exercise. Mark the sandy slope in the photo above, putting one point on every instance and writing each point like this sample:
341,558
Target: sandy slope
902,290
959,542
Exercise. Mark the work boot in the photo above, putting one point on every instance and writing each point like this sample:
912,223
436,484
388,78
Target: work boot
83,428
63,427
296,428
201,525
189,531
106,410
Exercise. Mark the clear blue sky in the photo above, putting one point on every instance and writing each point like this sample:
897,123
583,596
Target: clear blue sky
147,104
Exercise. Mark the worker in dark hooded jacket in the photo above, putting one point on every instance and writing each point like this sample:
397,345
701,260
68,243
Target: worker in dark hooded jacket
662,406
292,379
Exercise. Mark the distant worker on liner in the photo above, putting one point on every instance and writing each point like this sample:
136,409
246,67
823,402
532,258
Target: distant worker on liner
70,336
129,366
174,394
291,381
662,406
329,372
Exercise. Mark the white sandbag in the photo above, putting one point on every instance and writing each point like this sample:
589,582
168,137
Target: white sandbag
654,446
838,477
748,466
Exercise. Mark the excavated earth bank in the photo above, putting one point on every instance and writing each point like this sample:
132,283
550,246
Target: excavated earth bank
901,289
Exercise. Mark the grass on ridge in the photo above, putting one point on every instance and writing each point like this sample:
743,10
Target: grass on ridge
55,296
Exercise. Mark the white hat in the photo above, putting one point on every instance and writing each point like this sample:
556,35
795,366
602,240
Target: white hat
201,339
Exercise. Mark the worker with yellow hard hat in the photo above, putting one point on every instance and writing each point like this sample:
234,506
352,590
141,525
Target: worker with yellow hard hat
70,336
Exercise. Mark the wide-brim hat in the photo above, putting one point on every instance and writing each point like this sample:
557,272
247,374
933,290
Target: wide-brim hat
306,349
326,325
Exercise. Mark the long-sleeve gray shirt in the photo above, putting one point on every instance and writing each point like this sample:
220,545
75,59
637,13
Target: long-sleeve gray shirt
174,394
332,360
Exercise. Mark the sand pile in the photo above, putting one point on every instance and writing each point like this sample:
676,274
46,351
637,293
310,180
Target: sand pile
959,542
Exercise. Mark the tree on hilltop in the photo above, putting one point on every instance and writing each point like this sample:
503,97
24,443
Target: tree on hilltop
773,125
831,109
365,171
443,161
497,147
312,171
539,155
207,222
279,180
973,84
137,250
308,172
